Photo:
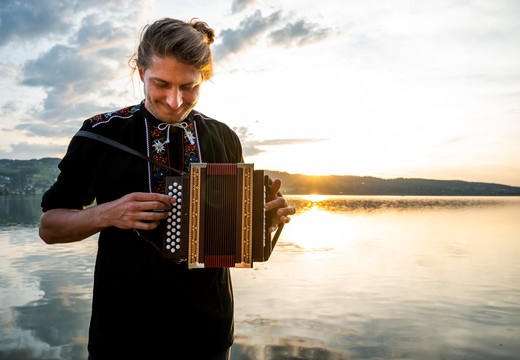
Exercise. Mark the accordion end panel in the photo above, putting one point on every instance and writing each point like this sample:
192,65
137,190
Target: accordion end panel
218,219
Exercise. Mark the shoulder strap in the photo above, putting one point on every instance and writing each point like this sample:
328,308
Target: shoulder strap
120,146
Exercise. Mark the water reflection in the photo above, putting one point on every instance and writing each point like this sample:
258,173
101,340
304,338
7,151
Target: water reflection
351,278
45,295
19,210
333,203
386,278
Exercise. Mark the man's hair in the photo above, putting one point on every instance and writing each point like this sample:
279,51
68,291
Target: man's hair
189,42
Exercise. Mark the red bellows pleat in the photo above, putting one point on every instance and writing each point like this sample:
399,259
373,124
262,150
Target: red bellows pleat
220,210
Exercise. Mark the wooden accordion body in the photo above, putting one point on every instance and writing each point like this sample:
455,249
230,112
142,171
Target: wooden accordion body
219,218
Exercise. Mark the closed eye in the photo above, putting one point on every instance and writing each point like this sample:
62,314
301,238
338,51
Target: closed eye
162,84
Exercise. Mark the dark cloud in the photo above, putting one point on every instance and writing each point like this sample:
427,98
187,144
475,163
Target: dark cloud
31,20
300,32
249,31
47,128
28,20
103,37
62,67
68,78
75,73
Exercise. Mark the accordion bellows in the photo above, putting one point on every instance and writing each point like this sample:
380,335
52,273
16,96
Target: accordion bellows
219,218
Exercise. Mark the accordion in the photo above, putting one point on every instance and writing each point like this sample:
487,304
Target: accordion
218,219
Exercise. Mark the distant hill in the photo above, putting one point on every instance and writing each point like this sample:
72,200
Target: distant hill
297,184
27,176
37,175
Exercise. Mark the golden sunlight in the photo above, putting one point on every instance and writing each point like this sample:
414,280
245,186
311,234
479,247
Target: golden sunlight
315,198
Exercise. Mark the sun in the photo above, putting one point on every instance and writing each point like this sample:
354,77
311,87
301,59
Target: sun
315,197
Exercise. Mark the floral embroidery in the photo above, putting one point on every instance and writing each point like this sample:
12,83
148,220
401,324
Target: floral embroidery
125,113
159,146
191,153
160,152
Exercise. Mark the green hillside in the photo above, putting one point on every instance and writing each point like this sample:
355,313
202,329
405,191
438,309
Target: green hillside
27,176
37,175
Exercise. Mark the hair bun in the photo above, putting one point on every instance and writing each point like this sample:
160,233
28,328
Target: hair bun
204,28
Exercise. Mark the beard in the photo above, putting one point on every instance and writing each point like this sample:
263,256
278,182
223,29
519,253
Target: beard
164,113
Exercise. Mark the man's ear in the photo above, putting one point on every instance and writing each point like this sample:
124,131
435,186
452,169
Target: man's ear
141,73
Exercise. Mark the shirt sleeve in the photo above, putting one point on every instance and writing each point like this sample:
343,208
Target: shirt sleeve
73,188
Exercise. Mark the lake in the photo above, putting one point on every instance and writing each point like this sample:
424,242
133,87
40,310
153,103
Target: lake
375,277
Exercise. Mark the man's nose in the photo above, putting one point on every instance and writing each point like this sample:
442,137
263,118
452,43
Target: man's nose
174,98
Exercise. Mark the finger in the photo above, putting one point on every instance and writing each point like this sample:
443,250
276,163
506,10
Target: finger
277,203
156,215
275,188
289,210
145,197
281,221
138,206
145,225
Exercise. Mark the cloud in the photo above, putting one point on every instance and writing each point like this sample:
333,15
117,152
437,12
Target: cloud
240,5
68,78
300,33
78,72
252,146
37,20
9,107
60,66
250,30
28,20
24,150
47,129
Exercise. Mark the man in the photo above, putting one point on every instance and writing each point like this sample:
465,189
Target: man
144,306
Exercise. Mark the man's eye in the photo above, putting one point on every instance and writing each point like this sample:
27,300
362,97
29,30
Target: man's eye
189,87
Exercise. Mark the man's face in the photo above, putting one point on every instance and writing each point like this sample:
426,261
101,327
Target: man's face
171,88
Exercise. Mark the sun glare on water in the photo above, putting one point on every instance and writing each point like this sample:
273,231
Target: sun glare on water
315,197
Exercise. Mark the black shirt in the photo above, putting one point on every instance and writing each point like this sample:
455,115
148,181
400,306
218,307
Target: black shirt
143,304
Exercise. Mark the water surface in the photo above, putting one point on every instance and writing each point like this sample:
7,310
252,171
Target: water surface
351,278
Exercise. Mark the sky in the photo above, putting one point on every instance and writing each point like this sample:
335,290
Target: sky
385,88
